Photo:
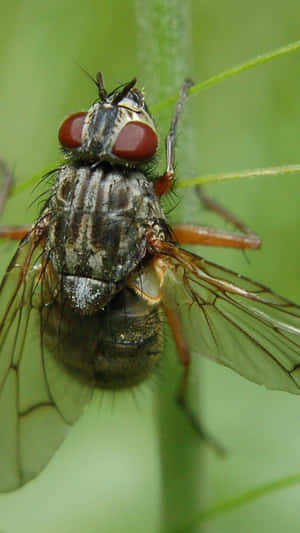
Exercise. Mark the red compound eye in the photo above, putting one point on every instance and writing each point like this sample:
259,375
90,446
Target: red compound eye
136,141
71,130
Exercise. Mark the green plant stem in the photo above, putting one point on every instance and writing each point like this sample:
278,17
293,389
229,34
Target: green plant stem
258,60
163,42
225,176
237,501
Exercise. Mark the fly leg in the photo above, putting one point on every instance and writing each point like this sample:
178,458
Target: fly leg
193,234
164,183
10,232
247,239
184,358
250,237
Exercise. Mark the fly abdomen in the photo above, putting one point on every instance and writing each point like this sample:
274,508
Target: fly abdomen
132,358
114,348
131,344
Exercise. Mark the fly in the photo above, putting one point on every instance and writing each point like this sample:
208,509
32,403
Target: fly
83,298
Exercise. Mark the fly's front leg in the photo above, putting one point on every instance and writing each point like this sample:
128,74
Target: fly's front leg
184,358
10,232
164,183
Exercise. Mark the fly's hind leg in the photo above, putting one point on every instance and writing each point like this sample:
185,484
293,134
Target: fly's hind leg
184,358
9,232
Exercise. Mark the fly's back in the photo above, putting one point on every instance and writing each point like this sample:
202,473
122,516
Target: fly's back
103,323
103,205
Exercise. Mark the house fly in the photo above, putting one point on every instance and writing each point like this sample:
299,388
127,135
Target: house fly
83,298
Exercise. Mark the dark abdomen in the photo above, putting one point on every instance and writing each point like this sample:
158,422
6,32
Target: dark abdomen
114,348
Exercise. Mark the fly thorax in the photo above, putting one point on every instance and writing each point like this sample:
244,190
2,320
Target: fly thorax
97,236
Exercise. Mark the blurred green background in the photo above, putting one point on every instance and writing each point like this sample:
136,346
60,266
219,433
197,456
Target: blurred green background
106,477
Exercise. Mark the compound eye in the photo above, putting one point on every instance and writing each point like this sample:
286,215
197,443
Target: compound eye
70,131
136,141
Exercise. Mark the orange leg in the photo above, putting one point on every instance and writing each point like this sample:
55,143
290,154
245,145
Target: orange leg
190,234
9,232
211,204
14,232
184,359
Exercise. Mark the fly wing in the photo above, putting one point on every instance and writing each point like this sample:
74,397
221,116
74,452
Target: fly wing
235,321
38,401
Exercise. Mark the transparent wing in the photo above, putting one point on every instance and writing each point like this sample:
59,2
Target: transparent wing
38,401
235,321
